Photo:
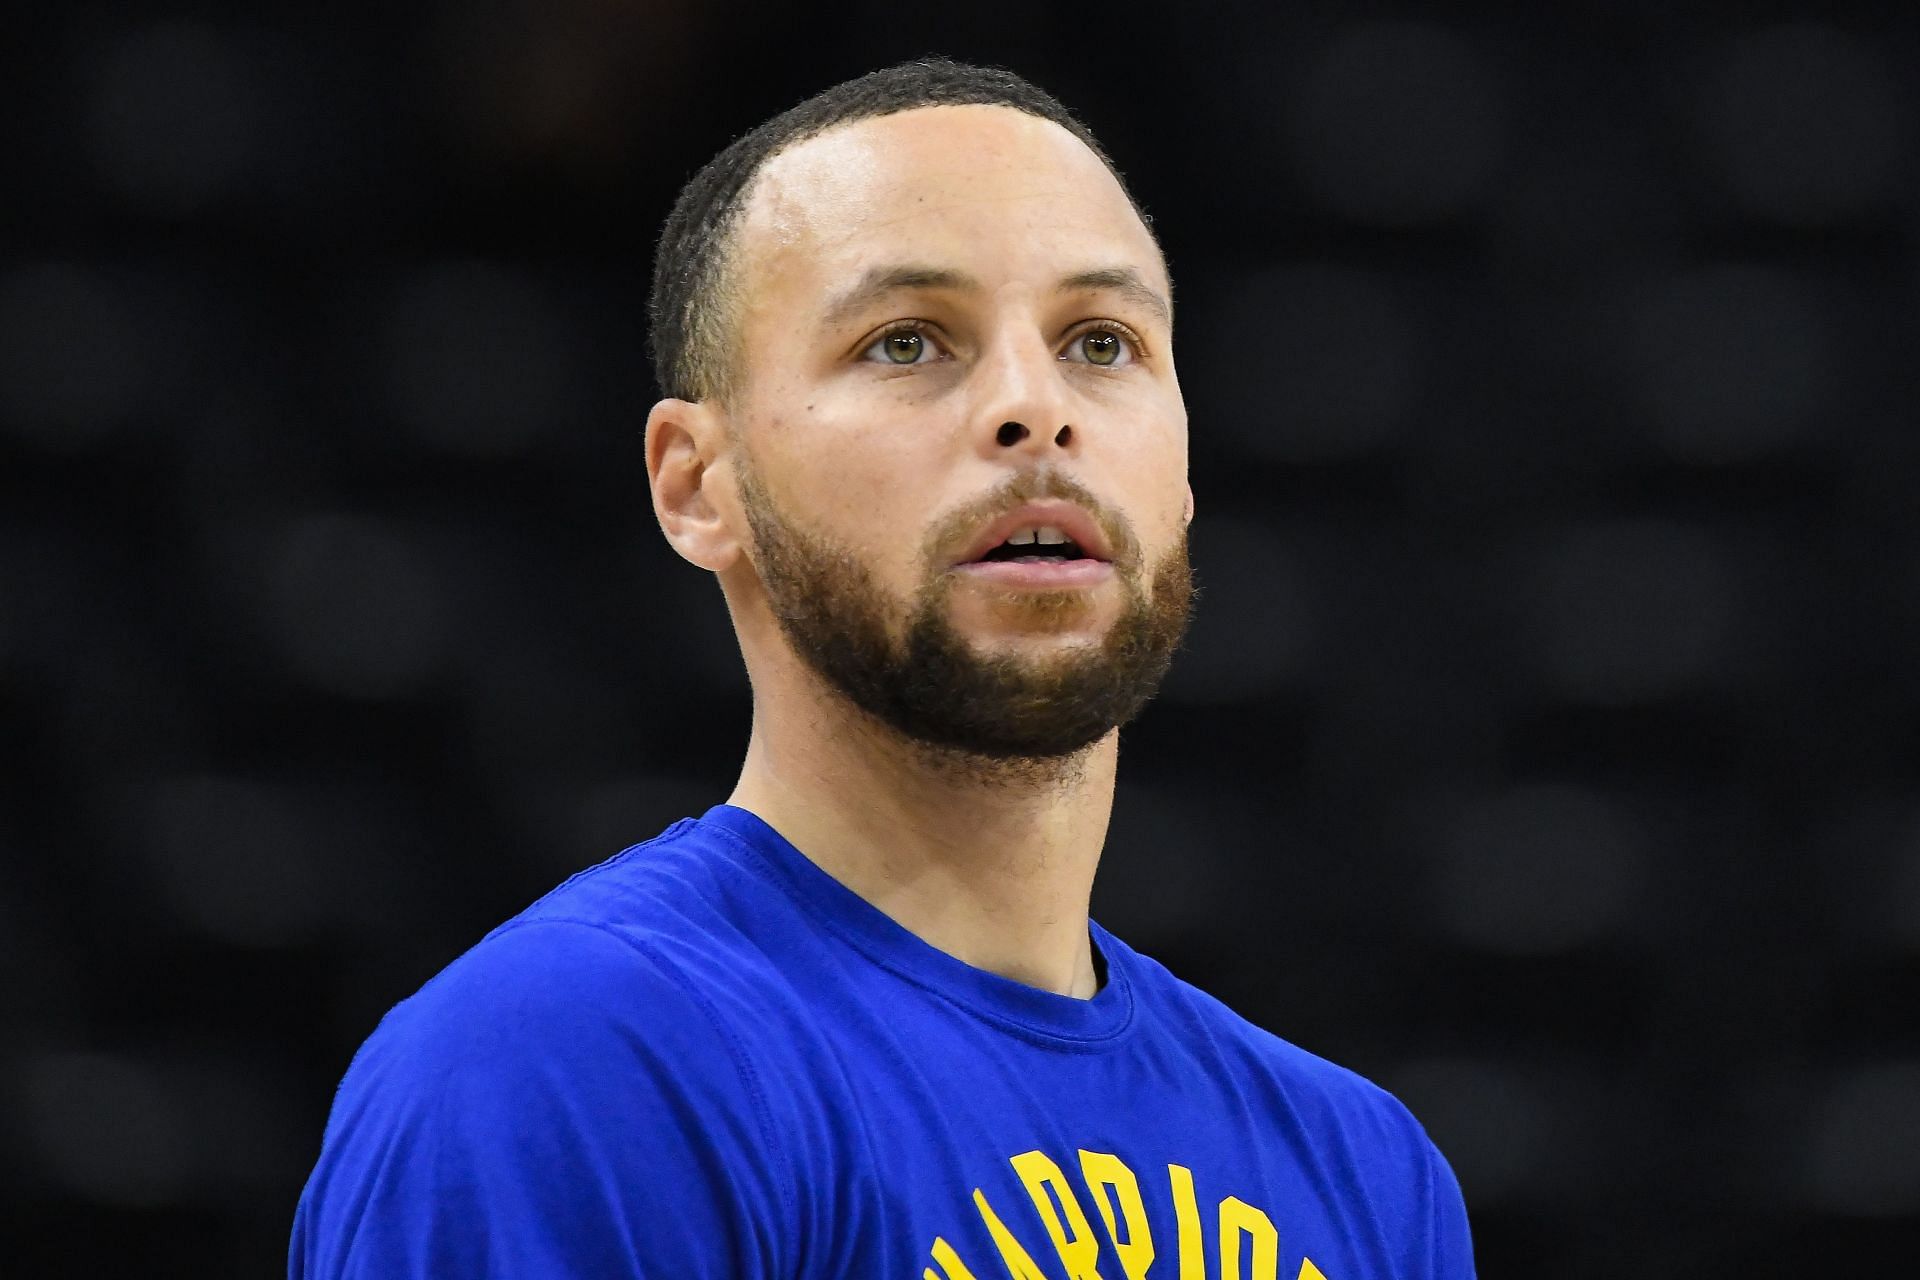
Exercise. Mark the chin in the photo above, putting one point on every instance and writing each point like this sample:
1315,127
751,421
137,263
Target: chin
1062,617
1040,650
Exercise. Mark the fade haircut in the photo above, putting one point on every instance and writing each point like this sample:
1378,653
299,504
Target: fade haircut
690,314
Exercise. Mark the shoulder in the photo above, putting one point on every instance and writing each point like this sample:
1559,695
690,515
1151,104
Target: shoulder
1310,1090
663,931
653,961
539,993
551,1019
584,1080
670,883
1360,1135
563,1084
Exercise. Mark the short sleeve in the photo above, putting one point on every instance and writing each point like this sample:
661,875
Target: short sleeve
555,1103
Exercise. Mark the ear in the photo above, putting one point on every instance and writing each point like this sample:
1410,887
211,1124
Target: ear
692,482
1187,516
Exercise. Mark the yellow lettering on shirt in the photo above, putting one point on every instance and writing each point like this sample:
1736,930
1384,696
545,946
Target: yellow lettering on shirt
1248,1249
1107,1177
949,1262
1186,1213
1020,1264
1237,1219
1073,1238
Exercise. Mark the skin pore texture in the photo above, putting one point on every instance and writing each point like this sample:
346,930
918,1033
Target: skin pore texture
937,738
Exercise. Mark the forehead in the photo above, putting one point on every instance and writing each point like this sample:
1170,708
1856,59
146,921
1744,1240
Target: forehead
933,183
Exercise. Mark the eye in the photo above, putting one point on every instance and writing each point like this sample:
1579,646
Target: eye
1108,346
902,345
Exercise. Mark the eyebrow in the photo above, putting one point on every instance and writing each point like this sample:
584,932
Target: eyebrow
1124,281
878,282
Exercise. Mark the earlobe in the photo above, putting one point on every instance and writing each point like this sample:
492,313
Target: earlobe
687,474
1186,517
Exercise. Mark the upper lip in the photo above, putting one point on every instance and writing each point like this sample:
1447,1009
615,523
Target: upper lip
1074,521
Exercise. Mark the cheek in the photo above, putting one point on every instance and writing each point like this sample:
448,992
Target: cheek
1157,472
854,487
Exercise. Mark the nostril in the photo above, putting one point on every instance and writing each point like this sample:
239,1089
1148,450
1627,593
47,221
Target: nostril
1011,433
1066,434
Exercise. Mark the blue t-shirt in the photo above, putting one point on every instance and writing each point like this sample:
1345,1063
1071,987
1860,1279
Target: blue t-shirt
707,1058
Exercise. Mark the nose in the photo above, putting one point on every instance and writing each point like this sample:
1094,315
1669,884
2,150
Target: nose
1021,404
1012,433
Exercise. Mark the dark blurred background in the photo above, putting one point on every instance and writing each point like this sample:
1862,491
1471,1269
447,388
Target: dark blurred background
1546,745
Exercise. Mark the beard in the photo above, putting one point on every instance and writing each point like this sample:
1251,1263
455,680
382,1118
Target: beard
907,666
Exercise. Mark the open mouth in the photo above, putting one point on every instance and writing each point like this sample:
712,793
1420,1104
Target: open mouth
1039,557
1044,545
1049,545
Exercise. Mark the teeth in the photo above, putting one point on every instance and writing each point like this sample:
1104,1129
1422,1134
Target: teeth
1045,535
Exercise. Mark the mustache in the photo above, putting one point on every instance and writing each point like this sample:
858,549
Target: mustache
958,526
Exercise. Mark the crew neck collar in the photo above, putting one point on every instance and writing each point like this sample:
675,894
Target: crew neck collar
1063,1021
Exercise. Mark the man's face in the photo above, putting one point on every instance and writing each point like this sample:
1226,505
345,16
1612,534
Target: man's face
954,350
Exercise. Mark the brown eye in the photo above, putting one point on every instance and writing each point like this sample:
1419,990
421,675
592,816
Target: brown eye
1100,347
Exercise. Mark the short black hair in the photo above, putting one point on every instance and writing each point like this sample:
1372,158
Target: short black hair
689,321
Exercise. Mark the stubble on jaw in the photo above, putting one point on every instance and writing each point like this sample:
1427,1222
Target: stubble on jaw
986,719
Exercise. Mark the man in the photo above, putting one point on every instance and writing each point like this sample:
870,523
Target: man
922,424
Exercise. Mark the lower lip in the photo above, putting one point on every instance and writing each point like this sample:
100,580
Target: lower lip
1039,575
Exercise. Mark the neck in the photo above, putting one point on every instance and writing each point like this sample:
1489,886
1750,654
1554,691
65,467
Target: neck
990,861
